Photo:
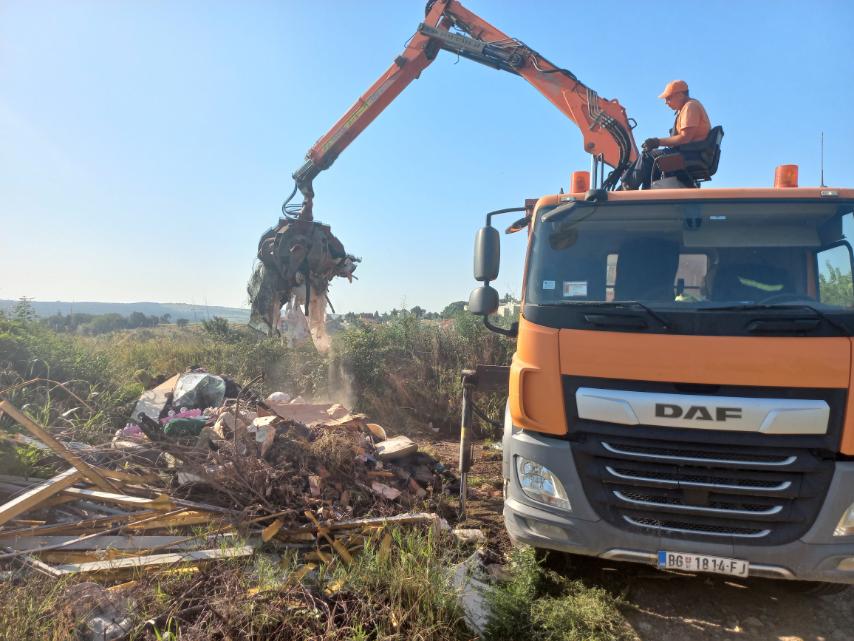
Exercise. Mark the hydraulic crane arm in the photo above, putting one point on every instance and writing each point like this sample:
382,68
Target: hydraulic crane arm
450,26
299,257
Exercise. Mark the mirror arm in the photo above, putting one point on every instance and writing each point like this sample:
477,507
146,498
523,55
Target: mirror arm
498,212
513,332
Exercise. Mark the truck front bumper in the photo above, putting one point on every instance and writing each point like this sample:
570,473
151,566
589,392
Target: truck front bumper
816,556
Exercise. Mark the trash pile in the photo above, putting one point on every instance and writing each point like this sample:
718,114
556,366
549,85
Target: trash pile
207,470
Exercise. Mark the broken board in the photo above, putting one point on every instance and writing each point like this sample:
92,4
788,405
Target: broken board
396,448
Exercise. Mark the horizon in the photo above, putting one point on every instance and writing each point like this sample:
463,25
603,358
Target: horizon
9,303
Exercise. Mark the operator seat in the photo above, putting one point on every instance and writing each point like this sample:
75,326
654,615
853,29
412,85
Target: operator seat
750,282
694,163
646,270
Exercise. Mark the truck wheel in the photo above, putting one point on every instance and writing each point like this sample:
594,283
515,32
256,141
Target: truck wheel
814,588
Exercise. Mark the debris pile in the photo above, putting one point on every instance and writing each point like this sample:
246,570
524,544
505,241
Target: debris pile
206,470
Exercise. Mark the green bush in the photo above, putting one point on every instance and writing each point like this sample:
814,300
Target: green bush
540,605
408,370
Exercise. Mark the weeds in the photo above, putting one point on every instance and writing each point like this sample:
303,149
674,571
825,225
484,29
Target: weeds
399,593
406,590
34,610
540,605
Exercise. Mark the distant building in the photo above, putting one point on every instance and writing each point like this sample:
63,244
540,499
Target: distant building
509,309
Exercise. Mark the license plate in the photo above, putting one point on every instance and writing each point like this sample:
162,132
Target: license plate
702,563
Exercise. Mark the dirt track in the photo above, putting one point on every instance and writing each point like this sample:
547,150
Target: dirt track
670,607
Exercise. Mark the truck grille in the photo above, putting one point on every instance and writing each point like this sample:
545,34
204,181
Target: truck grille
687,488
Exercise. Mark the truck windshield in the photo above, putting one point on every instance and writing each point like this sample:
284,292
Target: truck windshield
693,255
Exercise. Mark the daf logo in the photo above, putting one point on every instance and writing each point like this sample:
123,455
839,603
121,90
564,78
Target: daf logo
697,412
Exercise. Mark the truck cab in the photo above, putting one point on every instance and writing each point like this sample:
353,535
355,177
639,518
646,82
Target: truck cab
681,391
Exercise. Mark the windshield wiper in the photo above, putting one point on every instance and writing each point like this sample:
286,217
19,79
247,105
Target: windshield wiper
751,307
655,315
615,306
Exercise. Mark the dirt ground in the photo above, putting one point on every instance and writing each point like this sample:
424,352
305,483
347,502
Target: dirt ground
669,607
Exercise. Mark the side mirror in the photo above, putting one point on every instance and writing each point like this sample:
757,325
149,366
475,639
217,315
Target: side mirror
483,301
487,254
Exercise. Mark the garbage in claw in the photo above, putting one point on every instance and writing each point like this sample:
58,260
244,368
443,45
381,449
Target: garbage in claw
296,262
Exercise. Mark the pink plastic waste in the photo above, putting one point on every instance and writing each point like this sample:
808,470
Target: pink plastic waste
131,430
184,413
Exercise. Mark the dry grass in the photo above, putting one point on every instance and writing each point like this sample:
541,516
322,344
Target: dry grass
34,608
403,594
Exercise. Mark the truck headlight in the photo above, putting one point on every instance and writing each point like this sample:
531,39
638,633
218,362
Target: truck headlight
539,484
846,523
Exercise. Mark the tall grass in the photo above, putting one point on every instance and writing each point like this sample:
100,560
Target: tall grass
35,609
403,372
408,371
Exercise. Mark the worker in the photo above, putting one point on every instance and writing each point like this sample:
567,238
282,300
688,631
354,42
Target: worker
692,124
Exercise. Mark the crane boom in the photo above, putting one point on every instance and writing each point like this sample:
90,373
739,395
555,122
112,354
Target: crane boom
299,257
604,125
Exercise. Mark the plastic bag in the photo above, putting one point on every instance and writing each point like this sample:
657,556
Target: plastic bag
184,427
295,324
198,390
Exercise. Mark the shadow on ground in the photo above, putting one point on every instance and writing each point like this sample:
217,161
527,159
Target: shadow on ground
671,607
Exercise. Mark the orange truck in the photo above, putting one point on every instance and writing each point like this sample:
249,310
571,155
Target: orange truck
681,390
680,395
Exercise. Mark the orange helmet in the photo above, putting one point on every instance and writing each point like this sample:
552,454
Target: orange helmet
674,86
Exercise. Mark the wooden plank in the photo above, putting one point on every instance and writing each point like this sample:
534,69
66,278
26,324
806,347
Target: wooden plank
58,557
136,562
40,433
34,564
98,509
271,530
27,522
312,414
107,542
32,497
395,448
399,519
73,541
127,477
179,520
53,501
162,502
72,527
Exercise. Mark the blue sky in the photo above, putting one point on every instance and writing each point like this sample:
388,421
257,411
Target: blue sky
144,146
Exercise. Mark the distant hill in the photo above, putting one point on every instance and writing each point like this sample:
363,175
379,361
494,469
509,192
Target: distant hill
193,313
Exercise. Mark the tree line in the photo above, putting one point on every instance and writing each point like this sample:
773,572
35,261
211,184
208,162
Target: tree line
103,323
